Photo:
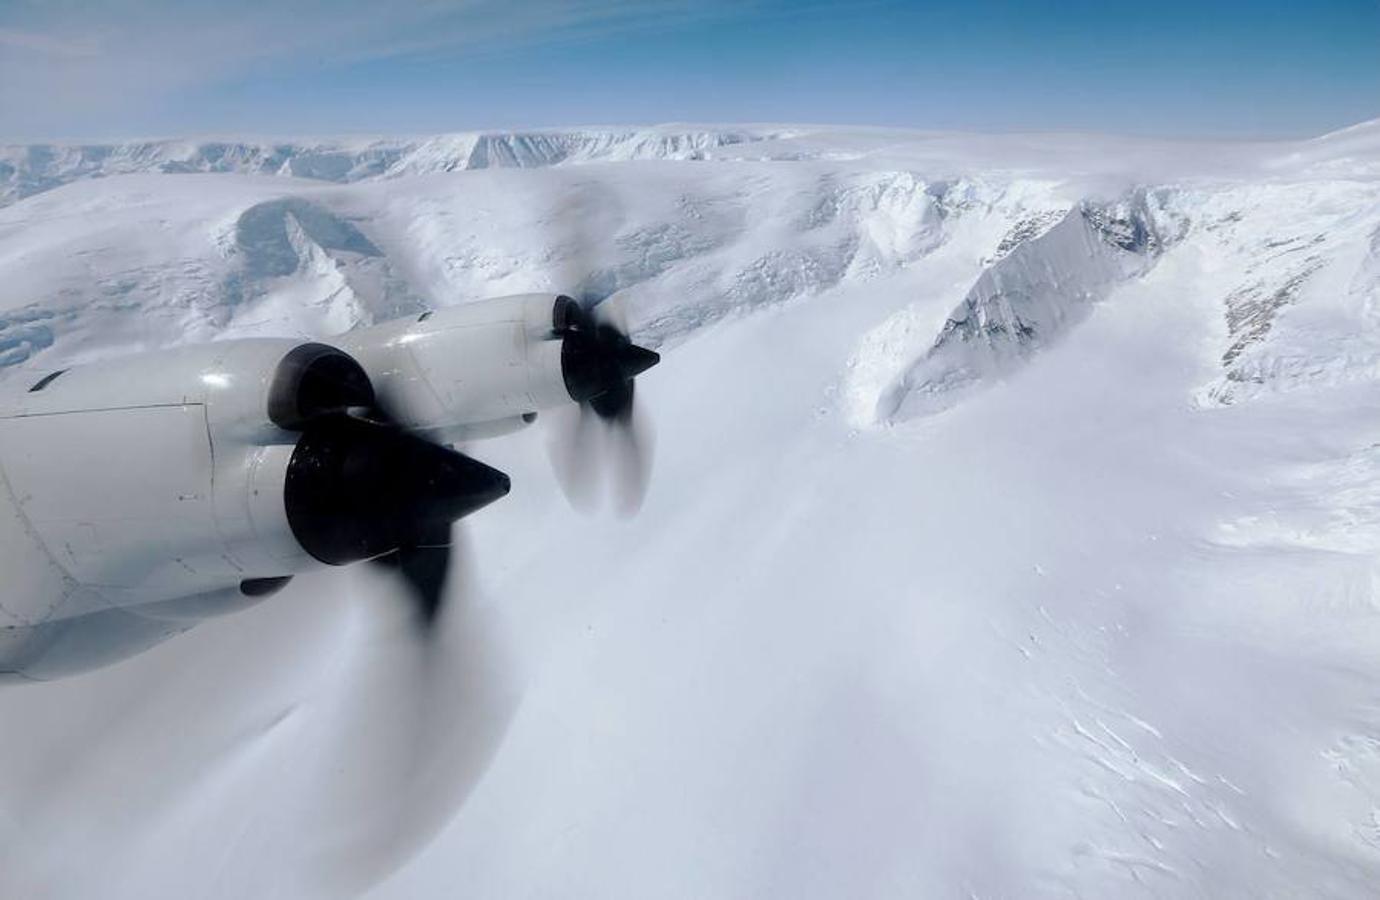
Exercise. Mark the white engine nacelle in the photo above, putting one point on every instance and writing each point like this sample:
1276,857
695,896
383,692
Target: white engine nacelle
155,476
139,481
470,371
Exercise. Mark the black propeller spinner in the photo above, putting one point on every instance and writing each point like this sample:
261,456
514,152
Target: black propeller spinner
360,487
598,359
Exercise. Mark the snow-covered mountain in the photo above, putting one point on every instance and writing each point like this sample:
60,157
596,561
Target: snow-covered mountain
1013,533
32,168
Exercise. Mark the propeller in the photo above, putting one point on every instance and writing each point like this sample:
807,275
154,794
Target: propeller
359,486
423,561
425,712
600,364
418,720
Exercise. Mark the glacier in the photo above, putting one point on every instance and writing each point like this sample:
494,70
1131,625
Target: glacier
1013,531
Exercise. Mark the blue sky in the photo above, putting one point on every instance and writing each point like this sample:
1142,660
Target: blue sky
120,68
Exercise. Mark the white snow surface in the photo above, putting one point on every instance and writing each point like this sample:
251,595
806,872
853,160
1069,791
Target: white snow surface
1013,531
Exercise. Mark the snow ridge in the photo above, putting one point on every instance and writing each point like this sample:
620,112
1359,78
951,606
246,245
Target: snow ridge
26,170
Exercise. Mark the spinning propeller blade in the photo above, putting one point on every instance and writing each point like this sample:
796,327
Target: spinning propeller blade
601,365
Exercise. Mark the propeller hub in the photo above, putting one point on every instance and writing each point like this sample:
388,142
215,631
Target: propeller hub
597,358
357,490
634,360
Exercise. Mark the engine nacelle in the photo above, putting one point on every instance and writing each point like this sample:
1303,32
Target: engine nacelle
473,370
156,476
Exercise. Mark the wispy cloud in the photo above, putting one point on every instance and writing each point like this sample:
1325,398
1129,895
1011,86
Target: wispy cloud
63,61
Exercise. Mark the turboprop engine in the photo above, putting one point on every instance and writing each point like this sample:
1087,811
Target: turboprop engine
486,368
143,494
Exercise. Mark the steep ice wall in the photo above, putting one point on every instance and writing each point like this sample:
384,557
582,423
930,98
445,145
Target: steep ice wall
1036,289
546,149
